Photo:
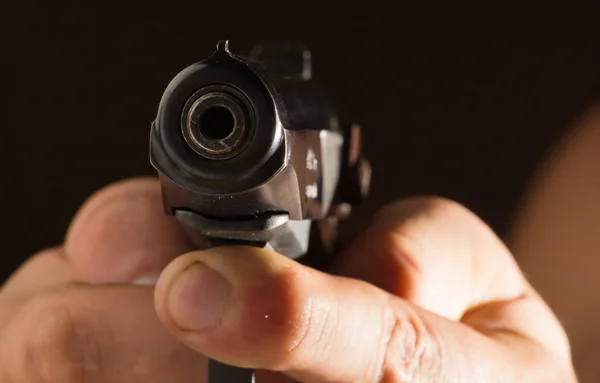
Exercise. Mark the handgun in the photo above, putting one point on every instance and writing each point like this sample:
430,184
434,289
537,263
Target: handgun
250,150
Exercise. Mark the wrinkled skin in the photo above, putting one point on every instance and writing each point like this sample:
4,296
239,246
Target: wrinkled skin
426,293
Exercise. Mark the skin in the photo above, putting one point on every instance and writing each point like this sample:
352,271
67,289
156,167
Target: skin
427,293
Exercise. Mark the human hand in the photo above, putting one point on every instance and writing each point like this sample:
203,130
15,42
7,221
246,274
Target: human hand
426,294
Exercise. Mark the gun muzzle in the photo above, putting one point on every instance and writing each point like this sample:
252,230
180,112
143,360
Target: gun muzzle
217,123
249,151
240,136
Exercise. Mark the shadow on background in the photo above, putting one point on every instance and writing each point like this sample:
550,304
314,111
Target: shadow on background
455,100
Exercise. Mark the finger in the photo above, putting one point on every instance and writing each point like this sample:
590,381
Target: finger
52,330
442,257
435,253
121,234
254,308
93,334
46,269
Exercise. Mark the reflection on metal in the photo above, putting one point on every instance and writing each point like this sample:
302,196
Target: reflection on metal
249,151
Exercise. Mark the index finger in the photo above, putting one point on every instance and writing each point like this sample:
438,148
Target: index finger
439,255
257,309
435,253
121,234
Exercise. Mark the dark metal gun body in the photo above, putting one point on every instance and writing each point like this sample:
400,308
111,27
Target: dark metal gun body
249,150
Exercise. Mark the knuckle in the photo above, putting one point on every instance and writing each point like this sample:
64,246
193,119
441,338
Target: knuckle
412,351
298,319
315,325
417,205
409,232
294,320
104,196
51,344
124,186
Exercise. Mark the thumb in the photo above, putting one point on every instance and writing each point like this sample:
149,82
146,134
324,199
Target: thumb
256,309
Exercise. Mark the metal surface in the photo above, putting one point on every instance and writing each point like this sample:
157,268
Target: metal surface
287,60
216,122
249,151
274,230
222,373
303,185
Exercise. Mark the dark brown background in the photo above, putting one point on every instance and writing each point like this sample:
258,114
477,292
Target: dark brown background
460,100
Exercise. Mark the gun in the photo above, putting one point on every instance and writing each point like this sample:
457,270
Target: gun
249,150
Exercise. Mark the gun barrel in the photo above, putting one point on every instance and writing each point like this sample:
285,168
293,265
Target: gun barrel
236,136
217,123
